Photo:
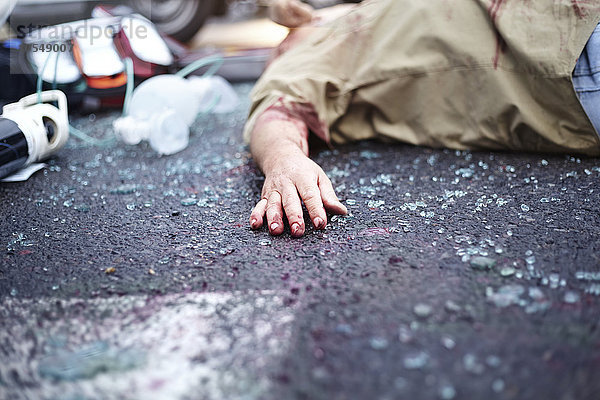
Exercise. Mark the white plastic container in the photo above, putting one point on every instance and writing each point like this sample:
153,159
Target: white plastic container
163,108
32,131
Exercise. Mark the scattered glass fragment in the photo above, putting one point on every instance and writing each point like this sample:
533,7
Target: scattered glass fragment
344,329
124,189
375,203
530,260
493,361
447,392
378,343
416,360
482,263
587,276
82,208
536,293
451,307
571,297
189,201
422,310
405,335
554,279
506,295
593,289
498,385
448,342
472,365
369,155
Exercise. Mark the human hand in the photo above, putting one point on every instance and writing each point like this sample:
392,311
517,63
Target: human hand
290,176
290,13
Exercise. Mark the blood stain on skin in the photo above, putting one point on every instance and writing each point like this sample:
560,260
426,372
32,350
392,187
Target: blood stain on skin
293,111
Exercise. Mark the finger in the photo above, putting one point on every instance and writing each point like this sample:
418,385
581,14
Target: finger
258,213
275,214
330,200
302,10
311,195
298,14
293,210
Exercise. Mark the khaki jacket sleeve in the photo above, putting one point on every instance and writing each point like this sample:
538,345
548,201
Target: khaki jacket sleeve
468,74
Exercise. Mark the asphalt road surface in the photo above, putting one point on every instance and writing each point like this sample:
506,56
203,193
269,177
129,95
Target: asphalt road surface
457,275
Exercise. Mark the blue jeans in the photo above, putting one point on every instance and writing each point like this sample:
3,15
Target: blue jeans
586,79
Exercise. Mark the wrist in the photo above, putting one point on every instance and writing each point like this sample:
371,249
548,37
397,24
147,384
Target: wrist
277,136
280,151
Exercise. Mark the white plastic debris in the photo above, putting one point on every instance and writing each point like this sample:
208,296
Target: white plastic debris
163,108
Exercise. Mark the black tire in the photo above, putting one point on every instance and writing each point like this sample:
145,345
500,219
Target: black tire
180,19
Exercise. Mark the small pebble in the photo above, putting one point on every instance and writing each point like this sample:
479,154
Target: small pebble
110,270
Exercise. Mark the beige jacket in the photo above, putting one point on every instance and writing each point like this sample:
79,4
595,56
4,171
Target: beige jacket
464,74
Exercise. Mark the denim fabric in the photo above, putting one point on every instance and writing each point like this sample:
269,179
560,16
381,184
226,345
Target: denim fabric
586,78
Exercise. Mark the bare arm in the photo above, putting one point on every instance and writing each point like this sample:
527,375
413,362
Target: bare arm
279,145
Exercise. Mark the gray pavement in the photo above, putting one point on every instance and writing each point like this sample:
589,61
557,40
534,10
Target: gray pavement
464,275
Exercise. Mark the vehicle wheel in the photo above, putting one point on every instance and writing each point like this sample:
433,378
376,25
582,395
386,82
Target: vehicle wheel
180,19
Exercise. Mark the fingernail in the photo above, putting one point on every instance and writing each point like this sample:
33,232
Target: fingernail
274,226
295,228
253,222
318,223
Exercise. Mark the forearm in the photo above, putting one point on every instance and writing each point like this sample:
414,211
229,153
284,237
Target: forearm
276,134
